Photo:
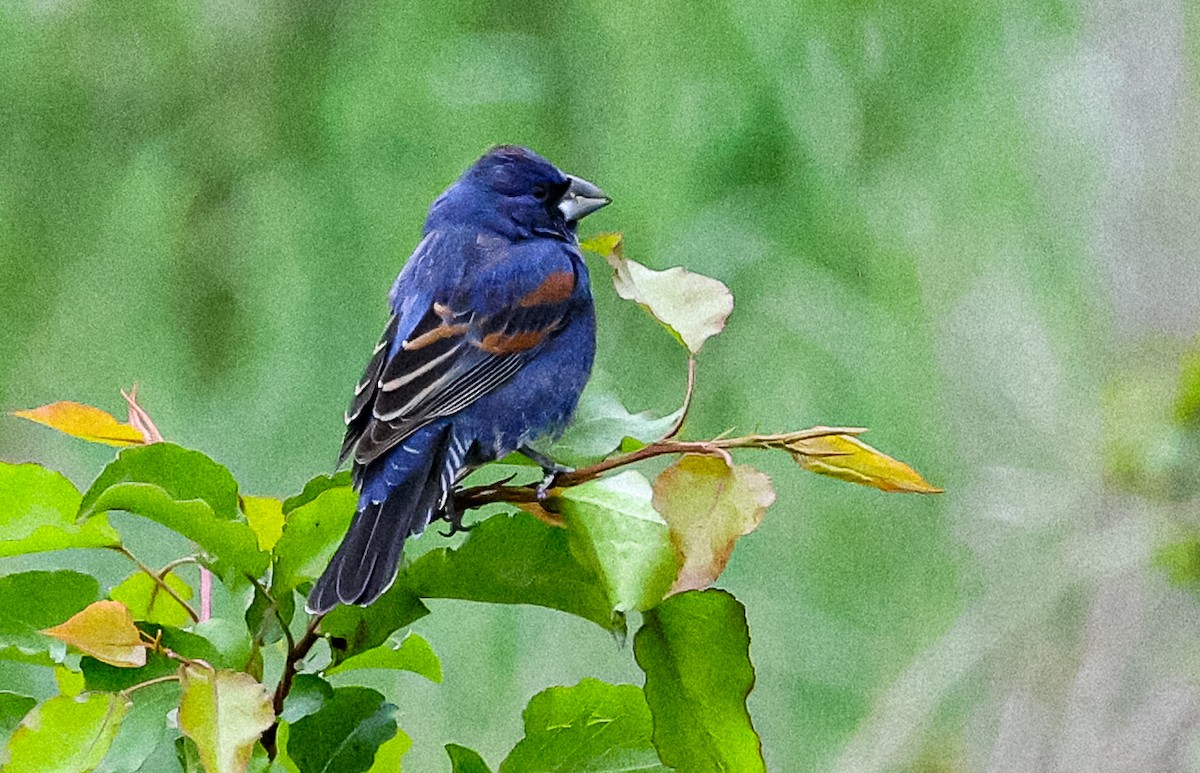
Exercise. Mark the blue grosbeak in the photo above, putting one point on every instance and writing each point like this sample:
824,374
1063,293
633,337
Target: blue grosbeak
488,347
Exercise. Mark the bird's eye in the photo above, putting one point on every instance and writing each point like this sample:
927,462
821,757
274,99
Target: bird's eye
540,193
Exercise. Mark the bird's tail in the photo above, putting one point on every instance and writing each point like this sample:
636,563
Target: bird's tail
401,492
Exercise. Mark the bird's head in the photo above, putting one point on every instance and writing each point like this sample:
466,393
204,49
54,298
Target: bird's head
515,188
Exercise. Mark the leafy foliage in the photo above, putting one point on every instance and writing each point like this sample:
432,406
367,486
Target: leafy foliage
37,513
66,735
694,649
602,543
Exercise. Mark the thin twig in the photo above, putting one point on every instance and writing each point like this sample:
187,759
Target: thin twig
160,581
296,653
178,562
149,682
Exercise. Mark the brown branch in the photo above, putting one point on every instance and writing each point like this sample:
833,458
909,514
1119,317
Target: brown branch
478,496
296,653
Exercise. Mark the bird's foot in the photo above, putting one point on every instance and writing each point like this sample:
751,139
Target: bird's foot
453,516
550,471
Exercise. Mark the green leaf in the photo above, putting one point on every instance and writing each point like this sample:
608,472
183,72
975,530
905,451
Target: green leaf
66,735
315,487
593,727
357,629
708,505
602,425
101,676
147,600
13,708
224,713
186,492
344,735
104,630
412,654
265,516
388,758
37,513
692,307
262,618
695,651
143,730
614,530
32,601
464,760
308,694
70,683
310,536
514,559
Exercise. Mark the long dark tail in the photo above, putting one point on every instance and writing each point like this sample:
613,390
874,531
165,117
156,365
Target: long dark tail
401,492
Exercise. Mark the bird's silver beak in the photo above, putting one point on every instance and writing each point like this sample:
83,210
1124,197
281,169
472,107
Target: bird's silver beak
581,199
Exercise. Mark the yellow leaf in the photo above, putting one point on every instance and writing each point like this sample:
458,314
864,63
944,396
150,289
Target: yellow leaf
104,630
708,505
848,458
84,422
265,516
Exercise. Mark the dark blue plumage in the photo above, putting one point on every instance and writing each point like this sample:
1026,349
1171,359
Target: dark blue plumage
488,347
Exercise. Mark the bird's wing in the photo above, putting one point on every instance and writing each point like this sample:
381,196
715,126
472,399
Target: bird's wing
460,349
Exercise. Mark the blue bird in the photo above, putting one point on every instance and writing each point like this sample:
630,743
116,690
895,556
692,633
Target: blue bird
488,347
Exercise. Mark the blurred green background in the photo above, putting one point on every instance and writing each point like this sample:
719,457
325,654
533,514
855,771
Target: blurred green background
970,227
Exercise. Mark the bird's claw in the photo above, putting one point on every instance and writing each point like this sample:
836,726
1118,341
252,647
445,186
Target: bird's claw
455,519
453,516
550,477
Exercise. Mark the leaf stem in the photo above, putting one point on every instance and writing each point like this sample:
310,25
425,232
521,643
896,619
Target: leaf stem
159,580
687,399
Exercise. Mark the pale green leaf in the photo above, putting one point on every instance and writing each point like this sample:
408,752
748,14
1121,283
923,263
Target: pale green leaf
143,730
614,530
513,559
66,735
224,713
412,654
600,427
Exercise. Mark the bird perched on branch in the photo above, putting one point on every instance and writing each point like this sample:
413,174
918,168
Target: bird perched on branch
488,347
